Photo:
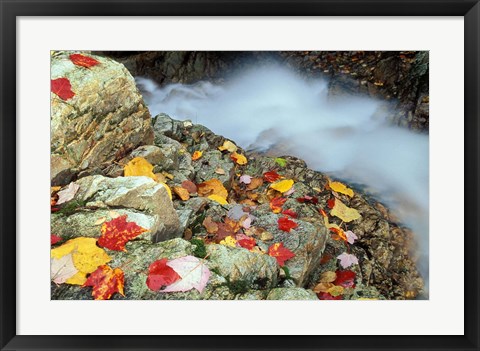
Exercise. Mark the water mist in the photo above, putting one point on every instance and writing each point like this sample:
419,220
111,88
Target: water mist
271,108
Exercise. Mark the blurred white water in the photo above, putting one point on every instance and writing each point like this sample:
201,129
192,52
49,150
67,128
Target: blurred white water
271,107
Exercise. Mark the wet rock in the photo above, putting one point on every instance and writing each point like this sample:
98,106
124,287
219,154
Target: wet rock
104,120
291,294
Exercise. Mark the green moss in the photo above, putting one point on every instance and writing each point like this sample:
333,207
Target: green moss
200,250
71,207
238,286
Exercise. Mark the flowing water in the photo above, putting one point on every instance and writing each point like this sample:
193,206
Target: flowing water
272,108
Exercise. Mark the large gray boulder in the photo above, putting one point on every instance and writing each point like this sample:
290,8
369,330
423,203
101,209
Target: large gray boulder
104,120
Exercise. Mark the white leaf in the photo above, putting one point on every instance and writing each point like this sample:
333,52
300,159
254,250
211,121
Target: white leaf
193,272
68,193
61,269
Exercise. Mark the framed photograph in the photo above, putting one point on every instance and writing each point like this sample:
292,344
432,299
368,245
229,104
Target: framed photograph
240,175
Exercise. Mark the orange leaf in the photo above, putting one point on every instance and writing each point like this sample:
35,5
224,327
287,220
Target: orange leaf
212,187
211,226
106,282
276,204
182,193
196,155
238,158
255,183
117,232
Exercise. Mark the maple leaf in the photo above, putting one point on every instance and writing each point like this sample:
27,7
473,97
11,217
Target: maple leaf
336,290
328,277
346,260
139,167
343,212
82,60
286,224
54,239
68,193
308,199
345,279
181,192
331,203
236,212
322,287
327,296
210,225
282,185
245,179
62,88
61,269
276,204
229,146
290,213
190,186
193,273
196,155
280,253
106,282
339,233
341,188
117,232
247,243
271,176
281,161
351,236
238,158
212,187
159,275
229,241
218,199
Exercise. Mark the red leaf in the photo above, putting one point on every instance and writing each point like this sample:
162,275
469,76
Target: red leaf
339,234
271,176
62,88
84,61
345,279
286,224
117,232
308,199
54,239
331,203
322,212
280,253
276,204
159,275
327,296
290,213
105,282
247,243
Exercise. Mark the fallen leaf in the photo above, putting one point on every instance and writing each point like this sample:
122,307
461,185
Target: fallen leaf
282,185
100,221
117,232
220,171
218,199
139,167
341,188
210,225
336,290
190,186
82,60
343,212
212,187
229,241
61,269
67,194
327,296
351,236
289,192
236,212
247,243
331,203
182,193
159,275
280,253
290,213
322,287
281,161
245,179
328,277
271,176
229,146
276,204
266,236
308,199
106,282
62,88
286,224
193,273
339,234
113,214
54,239
346,260
255,183
167,188
196,155
238,158
345,279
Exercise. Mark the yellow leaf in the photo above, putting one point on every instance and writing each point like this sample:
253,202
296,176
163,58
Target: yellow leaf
322,287
86,255
139,167
328,277
341,188
196,155
100,220
238,158
182,193
282,185
78,279
212,187
218,199
229,146
335,290
229,241
344,212
330,225
220,171
168,175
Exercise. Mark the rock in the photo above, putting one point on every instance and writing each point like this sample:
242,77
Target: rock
291,294
103,121
140,197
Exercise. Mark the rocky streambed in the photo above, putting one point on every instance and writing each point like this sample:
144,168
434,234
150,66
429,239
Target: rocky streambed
105,125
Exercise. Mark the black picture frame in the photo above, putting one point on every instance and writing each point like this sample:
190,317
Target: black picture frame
10,10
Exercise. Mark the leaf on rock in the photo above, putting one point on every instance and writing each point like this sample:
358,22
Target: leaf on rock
255,183
282,185
245,179
212,187
106,282
139,167
271,176
236,212
247,243
190,186
54,239
308,199
82,60
229,146
345,279
181,192
276,204
210,225
351,236
286,224
328,277
61,269
280,253
229,241
341,188
346,259
62,88
331,203
196,155
322,287
117,232
193,273
159,275
327,296
339,234
218,199
281,161
238,158
336,290
343,212
68,193
220,171
290,213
